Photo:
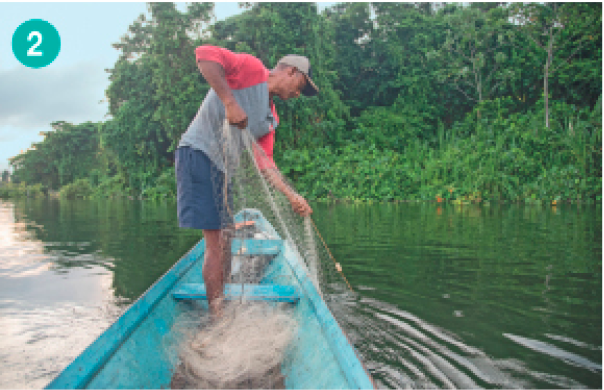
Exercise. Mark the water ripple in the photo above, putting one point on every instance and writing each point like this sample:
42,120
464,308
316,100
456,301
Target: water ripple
556,352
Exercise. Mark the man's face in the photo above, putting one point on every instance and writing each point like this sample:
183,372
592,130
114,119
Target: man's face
293,84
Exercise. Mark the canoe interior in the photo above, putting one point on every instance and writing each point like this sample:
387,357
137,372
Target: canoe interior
140,349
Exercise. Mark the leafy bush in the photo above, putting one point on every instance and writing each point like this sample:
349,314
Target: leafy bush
165,186
390,127
22,190
80,188
111,187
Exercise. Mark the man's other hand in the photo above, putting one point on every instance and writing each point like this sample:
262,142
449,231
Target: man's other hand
300,205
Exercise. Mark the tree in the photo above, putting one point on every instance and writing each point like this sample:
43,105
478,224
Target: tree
5,176
155,90
543,24
174,72
578,79
67,153
473,55
352,28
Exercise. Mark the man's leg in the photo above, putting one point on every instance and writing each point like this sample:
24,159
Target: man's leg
227,237
216,267
199,196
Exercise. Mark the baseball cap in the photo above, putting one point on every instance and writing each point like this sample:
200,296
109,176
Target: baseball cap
303,65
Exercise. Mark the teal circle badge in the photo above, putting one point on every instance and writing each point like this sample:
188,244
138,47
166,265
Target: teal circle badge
36,43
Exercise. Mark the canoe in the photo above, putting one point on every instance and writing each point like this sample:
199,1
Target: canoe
135,351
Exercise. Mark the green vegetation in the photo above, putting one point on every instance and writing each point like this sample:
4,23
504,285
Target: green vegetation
488,158
79,189
490,101
22,190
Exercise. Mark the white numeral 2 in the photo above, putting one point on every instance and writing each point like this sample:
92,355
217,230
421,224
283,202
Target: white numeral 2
32,50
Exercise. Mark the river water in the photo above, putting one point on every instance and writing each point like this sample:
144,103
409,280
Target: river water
444,296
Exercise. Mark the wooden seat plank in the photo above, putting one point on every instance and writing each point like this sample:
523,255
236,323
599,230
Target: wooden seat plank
252,292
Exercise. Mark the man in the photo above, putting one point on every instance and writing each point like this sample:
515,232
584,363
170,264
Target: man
242,93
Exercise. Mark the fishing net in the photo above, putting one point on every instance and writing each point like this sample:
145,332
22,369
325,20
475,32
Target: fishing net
243,350
247,345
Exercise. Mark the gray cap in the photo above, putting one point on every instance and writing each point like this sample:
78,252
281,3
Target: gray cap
303,65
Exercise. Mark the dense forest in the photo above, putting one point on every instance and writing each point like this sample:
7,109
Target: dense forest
419,101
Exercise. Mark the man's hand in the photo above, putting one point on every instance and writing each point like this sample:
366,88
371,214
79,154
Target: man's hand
235,114
214,74
300,206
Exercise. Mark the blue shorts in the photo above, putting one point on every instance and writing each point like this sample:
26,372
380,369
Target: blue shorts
200,192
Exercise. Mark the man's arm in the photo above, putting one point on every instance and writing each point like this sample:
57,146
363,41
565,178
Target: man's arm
299,204
214,74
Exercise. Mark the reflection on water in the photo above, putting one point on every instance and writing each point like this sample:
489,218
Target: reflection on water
67,271
38,340
494,297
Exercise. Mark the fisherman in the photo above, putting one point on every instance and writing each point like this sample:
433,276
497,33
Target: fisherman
242,93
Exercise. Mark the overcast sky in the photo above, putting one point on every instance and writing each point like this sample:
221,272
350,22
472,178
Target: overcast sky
72,87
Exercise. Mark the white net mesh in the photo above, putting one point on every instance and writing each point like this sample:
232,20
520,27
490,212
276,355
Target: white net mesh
243,350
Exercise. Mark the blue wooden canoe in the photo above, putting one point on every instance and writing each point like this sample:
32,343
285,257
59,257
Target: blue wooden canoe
135,351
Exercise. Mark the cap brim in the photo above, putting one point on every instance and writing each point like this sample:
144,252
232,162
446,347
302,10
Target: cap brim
310,89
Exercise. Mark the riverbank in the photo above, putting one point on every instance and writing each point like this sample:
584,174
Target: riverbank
490,156
13,191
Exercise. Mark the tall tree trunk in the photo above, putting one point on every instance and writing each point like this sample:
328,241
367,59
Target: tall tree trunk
546,96
548,63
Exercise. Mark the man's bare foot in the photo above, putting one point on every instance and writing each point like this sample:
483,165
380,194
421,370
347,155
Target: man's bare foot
217,308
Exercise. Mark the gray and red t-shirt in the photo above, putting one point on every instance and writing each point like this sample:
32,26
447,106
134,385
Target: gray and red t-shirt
247,77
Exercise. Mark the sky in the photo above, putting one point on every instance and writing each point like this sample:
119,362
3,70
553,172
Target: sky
72,88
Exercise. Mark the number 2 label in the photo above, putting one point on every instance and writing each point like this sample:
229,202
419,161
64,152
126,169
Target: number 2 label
32,50
28,46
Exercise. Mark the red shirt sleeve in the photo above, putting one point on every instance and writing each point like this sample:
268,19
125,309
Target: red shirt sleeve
241,70
264,158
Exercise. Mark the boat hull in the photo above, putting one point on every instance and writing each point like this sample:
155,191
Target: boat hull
139,349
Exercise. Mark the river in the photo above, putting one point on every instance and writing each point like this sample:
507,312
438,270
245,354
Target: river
492,296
